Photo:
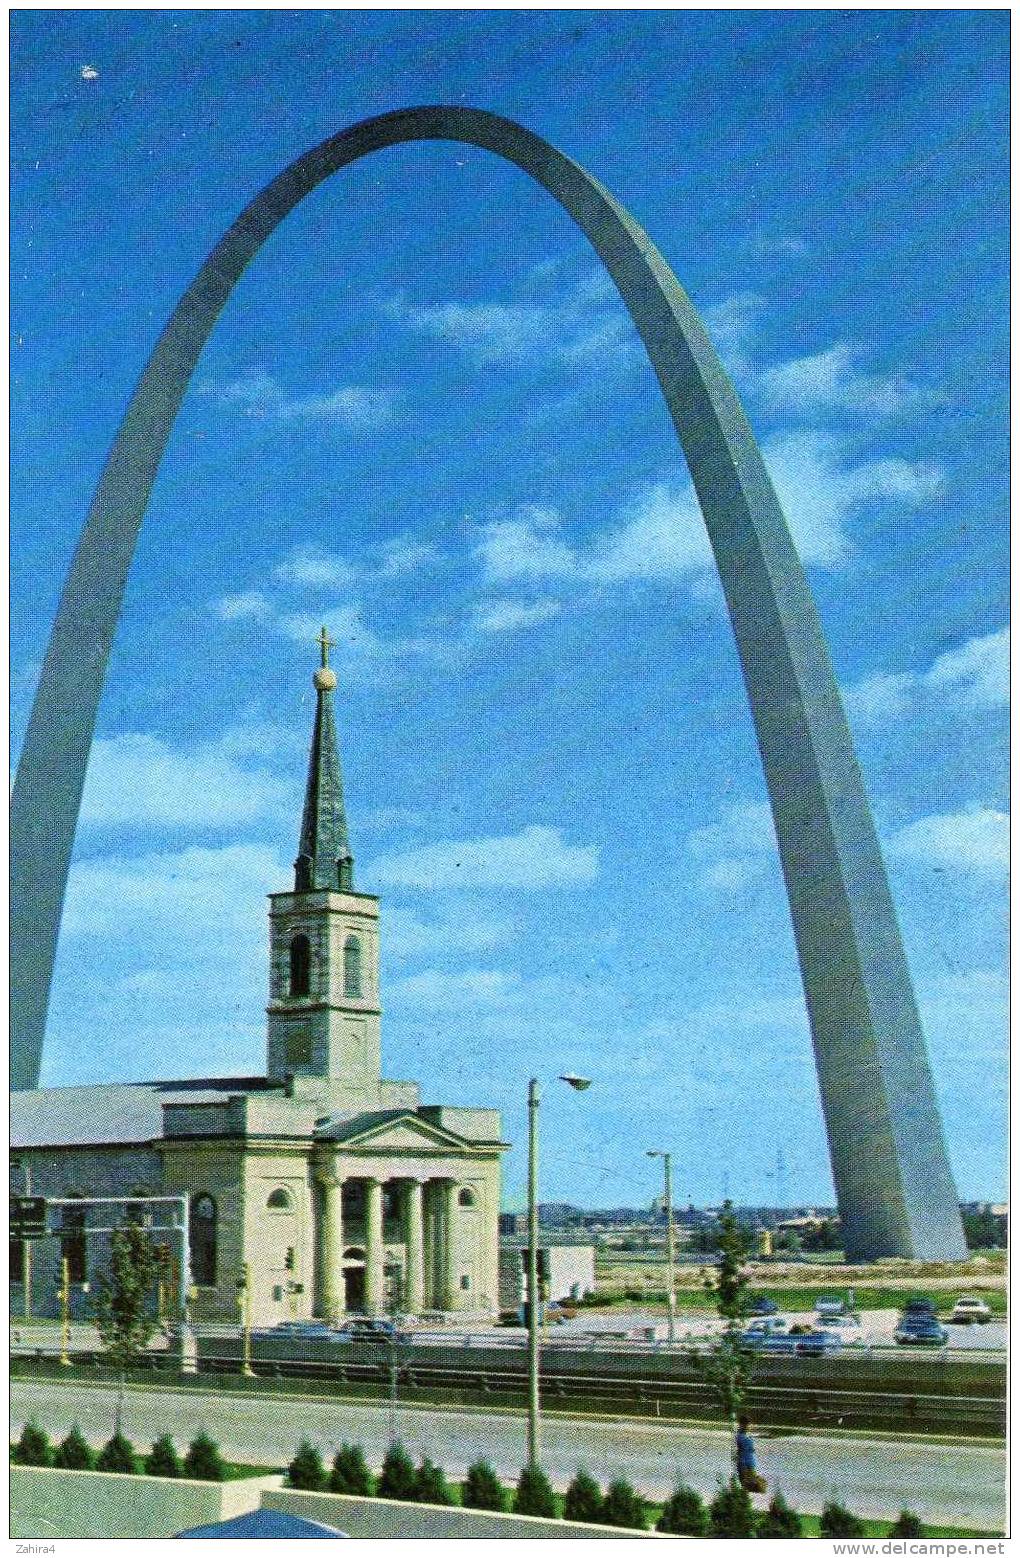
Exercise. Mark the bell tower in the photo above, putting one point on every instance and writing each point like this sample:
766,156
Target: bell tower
324,1014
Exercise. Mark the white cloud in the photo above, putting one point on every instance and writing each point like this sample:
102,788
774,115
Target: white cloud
507,616
831,380
972,676
585,322
974,842
660,534
537,857
732,325
354,407
878,699
403,554
311,567
139,781
445,931
243,607
821,492
745,828
527,546
976,673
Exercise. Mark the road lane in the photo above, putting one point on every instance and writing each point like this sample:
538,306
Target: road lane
944,1484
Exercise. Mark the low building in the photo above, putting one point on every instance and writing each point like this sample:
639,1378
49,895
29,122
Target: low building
566,1270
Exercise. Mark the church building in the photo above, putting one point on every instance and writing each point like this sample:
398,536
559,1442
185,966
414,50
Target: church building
324,1187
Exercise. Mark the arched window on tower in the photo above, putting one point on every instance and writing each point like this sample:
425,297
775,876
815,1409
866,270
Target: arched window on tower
300,965
352,968
203,1241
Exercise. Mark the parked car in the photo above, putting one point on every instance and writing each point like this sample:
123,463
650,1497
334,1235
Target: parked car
296,1330
366,1330
763,1306
836,1312
920,1329
970,1311
775,1336
919,1306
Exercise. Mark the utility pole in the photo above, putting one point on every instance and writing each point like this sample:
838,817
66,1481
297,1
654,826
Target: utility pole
65,1311
667,1165
533,1396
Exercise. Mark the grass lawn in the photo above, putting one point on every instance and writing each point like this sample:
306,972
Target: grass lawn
802,1297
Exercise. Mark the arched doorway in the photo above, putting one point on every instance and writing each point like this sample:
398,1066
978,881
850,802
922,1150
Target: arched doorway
354,1280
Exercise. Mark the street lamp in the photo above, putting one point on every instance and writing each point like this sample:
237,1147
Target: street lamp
578,1084
667,1163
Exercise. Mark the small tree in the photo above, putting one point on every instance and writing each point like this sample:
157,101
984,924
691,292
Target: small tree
728,1365
534,1494
204,1461
122,1308
306,1469
74,1453
837,1521
731,1512
779,1520
33,1448
623,1506
398,1478
430,1486
350,1472
684,1513
907,1524
482,1489
163,1460
117,1454
584,1499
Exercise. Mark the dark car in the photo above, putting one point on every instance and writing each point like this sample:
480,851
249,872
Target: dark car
919,1328
919,1306
763,1306
366,1330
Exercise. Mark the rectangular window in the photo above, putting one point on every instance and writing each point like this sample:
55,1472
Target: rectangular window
465,1283
299,1047
17,1260
72,1245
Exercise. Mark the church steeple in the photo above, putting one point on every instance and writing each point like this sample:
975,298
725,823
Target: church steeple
324,861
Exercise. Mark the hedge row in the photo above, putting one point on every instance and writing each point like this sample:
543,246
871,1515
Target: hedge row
685,1513
729,1514
202,1462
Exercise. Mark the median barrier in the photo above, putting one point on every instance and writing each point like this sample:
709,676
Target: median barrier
380,1518
47,1501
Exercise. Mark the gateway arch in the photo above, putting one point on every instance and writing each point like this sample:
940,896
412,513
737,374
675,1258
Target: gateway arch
889,1162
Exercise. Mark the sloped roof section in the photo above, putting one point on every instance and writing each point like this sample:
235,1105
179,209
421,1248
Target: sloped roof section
113,1112
366,1128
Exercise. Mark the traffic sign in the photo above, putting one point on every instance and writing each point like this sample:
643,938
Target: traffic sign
28,1217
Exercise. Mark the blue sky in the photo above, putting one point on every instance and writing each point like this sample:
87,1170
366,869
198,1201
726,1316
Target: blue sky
425,420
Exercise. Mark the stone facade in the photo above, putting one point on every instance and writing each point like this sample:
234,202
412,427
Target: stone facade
319,1188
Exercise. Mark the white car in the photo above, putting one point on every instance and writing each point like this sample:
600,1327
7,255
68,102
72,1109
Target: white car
970,1311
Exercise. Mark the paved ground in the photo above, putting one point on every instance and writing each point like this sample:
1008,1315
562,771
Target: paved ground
944,1484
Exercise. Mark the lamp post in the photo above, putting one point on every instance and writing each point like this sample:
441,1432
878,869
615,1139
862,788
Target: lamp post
667,1164
534,1406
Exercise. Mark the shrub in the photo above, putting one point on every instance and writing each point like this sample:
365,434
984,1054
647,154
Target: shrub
33,1448
908,1524
684,1513
534,1494
350,1472
163,1460
593,1300
204,1461
430,1486
622,1506
482,1489
583,1500
117,1454
837,1521
398,1478
306,1469
75,1453
731,1512
779,1520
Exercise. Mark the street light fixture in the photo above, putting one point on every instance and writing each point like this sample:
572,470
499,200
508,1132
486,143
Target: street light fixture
579,1084
667,1163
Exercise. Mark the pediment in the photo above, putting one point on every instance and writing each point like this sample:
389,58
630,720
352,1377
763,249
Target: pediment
406,1133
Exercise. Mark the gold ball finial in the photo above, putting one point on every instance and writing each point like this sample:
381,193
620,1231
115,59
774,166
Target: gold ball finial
324,679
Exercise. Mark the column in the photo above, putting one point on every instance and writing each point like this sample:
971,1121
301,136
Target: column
451,1282
333,1297
414,1246
373,1247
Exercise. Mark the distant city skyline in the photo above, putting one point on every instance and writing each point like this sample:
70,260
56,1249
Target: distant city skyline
428,473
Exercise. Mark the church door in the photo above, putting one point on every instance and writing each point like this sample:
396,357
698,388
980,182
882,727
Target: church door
354,1289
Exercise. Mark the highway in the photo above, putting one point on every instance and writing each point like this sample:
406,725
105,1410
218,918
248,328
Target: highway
944,1484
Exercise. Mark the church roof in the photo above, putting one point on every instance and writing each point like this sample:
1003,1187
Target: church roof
363,1127
324,858
111,1112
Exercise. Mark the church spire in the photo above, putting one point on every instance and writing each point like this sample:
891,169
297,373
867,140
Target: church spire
324,861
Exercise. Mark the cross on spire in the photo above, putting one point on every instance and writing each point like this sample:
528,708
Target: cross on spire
325,643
